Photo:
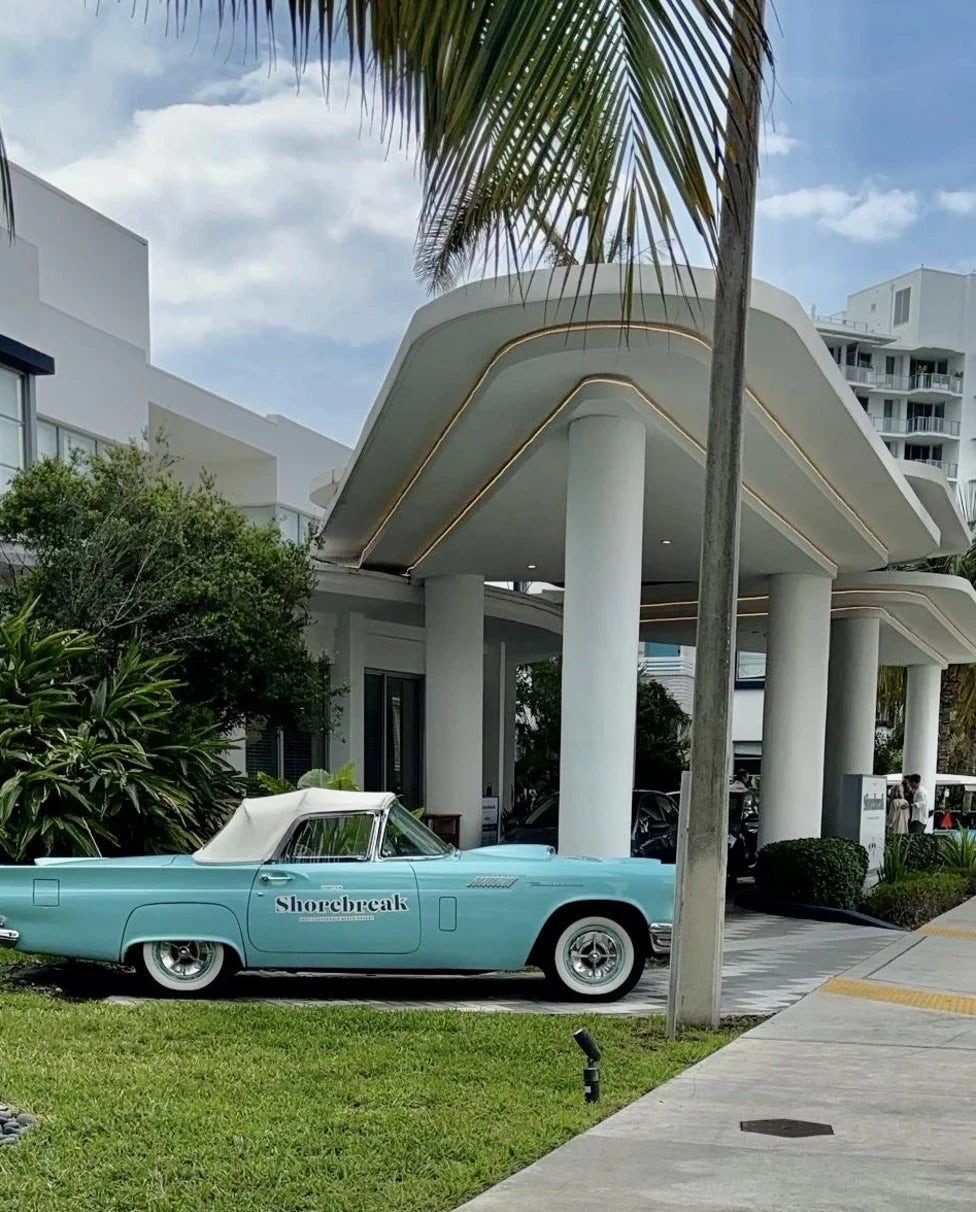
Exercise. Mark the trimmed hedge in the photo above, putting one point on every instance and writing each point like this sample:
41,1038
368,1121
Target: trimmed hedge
913,901
828,871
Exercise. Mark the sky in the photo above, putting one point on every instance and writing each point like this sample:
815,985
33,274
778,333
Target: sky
281,232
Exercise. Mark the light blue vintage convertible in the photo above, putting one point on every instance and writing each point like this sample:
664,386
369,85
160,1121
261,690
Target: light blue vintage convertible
345,882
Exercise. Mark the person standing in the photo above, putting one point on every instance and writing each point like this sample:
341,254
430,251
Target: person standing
920,804
898,811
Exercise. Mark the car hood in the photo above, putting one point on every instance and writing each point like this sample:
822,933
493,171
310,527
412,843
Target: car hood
508,850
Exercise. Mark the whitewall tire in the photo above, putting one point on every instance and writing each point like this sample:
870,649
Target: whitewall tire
595,958
185,966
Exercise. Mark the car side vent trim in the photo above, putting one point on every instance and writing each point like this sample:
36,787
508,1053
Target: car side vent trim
493,881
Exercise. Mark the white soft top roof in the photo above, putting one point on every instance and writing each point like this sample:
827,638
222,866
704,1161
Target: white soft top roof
258,827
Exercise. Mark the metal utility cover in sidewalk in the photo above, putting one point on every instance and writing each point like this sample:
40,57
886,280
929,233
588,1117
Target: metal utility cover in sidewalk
785,1127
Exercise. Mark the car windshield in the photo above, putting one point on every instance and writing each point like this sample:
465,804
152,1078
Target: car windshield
406,837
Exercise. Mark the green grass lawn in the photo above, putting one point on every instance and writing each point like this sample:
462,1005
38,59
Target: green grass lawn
164,1105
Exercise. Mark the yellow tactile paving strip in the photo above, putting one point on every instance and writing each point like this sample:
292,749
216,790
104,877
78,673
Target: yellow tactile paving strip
899,995
947,931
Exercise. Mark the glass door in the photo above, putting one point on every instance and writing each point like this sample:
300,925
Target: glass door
394,736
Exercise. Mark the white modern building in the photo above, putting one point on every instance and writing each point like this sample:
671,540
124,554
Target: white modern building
76,373
907,348
515,437
550,444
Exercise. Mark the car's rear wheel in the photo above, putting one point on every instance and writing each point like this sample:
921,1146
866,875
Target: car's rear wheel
187,966
594,957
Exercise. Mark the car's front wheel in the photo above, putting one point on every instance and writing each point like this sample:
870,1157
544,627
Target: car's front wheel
185,966
594,957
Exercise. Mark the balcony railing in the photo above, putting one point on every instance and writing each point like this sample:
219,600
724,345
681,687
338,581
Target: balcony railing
918,382
931,382
951,470
939,425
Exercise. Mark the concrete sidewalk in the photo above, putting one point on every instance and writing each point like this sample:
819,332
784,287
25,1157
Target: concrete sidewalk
883,1054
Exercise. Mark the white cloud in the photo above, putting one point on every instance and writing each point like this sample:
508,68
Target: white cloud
957,201
869,216
266,210
776,142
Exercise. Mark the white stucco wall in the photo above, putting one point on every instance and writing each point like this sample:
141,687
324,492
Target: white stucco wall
75,285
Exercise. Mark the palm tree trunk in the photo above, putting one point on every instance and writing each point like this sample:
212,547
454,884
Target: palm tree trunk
696,957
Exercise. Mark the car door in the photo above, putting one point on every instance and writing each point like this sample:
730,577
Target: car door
326,896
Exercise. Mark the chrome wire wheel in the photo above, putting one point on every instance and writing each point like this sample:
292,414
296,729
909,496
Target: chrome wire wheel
184,966
595,958
595,955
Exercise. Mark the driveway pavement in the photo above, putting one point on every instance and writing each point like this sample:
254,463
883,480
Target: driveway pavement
877,1061
770,962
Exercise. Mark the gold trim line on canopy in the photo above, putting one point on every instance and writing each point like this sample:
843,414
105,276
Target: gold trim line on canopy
674,330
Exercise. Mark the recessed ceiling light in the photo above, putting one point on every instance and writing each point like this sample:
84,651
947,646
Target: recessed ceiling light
532,566
665,542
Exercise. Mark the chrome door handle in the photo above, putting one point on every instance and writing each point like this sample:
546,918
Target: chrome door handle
276,879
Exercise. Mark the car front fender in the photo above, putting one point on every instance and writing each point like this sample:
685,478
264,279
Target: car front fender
180,920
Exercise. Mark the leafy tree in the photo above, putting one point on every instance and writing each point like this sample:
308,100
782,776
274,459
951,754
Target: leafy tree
660,737
115,546
95,762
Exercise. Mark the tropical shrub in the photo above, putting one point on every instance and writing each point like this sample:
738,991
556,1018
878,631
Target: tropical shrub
343,779
828,871
100,764
923,851
916,899
959,851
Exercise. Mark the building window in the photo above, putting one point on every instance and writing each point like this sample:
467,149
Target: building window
750,668
651,650
13,448
283,754
294,526
903,301
889,409
59,442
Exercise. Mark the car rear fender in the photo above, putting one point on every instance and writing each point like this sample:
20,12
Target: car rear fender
199,922
627,912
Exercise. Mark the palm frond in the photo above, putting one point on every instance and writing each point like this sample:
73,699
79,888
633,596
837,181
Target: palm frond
597,122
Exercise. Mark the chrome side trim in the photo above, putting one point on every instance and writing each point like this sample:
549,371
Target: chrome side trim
9,936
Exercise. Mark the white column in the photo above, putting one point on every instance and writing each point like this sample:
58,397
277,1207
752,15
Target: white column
795,708
924,685
601,614
852,701
454,695
347,741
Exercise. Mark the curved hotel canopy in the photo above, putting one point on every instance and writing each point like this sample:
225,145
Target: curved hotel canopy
523,433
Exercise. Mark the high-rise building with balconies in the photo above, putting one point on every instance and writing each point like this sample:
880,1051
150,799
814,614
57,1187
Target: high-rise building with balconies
908,349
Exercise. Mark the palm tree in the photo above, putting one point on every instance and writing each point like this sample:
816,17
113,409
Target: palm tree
551,123
564,129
